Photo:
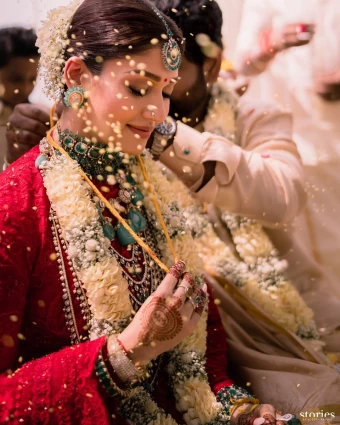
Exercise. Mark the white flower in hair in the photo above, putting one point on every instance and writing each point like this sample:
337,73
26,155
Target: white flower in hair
52,42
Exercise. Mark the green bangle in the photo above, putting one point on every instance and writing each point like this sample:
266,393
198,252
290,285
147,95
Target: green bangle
105,379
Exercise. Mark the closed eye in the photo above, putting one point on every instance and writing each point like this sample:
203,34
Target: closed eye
142,93
137,92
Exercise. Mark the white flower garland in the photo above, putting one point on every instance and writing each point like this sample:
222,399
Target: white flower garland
260,273
107,290
52,42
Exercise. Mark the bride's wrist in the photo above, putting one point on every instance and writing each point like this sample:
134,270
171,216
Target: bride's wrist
139,354
127,370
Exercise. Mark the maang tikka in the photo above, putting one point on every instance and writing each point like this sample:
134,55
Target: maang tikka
171,52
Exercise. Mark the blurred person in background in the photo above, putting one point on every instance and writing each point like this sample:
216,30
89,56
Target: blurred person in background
18,71
292,51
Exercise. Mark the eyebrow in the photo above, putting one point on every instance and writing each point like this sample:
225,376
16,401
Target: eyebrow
151,75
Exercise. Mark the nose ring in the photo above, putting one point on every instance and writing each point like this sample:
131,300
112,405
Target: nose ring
153,113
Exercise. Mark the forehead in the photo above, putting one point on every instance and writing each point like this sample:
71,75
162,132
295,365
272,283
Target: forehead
150,61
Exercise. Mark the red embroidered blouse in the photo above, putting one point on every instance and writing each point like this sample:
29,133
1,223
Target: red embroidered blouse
44,379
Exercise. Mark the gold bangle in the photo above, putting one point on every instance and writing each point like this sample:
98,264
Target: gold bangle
237,403
126,371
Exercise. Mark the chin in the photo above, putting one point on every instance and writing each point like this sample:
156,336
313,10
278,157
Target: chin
135,147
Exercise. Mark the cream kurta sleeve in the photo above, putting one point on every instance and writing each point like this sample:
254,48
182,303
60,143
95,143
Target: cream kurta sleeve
260,176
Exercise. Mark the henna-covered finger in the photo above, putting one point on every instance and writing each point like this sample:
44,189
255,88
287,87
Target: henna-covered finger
185,288
189,307
269,419
249,419
177,269
201,302
166,288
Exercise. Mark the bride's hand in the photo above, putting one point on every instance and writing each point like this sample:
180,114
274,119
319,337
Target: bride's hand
168,316
264,414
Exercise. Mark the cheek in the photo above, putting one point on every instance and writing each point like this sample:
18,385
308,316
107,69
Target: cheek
110,104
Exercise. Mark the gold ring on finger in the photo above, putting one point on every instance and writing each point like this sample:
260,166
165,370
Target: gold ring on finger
188,290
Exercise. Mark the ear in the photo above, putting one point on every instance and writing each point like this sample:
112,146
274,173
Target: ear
75,72
212,67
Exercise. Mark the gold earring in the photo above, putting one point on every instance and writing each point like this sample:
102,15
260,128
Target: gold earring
75,97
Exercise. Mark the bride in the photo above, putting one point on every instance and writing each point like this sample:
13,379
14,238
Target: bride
104,312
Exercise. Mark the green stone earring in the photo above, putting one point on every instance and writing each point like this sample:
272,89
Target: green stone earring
75,97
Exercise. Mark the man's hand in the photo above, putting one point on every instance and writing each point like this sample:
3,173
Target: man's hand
236,82
28,124
271,43
327,86
264,414
293,35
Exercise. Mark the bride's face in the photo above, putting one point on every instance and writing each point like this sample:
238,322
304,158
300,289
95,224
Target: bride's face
129,98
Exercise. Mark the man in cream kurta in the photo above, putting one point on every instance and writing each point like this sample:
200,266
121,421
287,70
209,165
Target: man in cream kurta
258,175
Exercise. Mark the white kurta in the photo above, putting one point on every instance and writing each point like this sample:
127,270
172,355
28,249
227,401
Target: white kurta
288,80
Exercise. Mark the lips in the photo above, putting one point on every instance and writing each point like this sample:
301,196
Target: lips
143,132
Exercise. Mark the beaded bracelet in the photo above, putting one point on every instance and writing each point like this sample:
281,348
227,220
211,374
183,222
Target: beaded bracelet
123,367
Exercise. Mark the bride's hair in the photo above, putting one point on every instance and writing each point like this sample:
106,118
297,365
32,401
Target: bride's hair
108,29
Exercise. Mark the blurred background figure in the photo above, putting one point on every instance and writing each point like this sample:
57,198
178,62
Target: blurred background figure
291,50
18,71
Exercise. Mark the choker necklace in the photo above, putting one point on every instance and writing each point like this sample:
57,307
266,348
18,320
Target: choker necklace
94,158
100,164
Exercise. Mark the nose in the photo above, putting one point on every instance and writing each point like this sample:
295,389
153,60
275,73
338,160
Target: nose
156,111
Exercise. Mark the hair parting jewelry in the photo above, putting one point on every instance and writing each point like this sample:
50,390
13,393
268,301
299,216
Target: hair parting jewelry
171,53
